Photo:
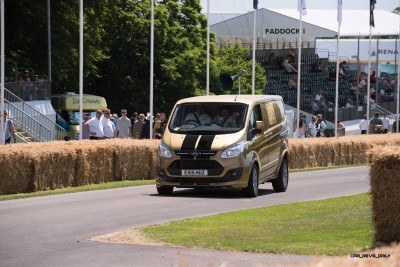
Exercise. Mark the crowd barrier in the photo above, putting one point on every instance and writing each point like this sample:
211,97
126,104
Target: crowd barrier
43,166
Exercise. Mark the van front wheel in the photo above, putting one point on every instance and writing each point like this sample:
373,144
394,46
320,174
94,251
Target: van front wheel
252,186
280,184
165,190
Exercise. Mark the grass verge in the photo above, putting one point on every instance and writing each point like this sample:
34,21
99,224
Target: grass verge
91,187
334,226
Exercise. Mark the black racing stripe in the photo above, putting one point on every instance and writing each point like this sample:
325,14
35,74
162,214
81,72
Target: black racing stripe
205,142
189,142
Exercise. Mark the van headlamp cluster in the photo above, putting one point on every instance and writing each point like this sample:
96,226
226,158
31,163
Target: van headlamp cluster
233,151
164,151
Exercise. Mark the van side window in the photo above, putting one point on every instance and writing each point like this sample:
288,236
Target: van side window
256,115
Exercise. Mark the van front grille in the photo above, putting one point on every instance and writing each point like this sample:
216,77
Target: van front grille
212,166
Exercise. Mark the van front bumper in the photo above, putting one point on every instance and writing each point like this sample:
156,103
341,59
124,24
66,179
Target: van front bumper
230,179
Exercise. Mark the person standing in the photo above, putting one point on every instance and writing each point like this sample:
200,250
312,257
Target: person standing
8,131
137,127
85,132
312,130
376,124
364,125
95,126
385,123
146,127
108,125
123,129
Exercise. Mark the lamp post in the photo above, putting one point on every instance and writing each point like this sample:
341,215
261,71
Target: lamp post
240,76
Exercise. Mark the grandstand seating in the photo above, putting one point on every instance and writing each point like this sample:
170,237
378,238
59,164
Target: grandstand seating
311,83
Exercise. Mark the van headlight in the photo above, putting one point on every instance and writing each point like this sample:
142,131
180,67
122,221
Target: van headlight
233,151
164,151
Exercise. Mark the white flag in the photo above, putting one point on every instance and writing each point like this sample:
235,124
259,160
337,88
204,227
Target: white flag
339,12
301,7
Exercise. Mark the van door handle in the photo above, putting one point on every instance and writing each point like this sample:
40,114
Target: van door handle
284,133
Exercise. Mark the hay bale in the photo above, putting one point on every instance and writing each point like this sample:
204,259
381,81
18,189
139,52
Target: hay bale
94,162
325,152
133,160
54,168
15,172
385,191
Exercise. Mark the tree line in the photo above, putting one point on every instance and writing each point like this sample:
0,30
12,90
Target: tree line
117,50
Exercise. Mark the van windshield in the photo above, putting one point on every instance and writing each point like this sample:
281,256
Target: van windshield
208,118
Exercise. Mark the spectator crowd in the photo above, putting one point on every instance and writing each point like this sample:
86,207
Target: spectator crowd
106,125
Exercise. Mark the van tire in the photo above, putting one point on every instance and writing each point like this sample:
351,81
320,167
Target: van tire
252,186
280,184
165,190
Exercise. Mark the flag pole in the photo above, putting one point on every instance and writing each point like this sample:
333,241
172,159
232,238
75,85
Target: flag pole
49,40
151,67
2,118
398,91
208,49
337,83
369,80
299,71
339,18
80,68
253,70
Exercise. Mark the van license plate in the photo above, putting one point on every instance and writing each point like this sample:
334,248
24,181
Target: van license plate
195,172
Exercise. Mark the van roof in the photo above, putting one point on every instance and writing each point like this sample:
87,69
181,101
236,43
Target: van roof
246,99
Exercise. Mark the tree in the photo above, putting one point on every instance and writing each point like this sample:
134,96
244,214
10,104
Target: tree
117,50
234,60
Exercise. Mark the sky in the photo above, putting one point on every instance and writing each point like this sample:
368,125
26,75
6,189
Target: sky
243,6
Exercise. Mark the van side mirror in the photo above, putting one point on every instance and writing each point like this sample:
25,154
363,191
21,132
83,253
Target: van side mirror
254,131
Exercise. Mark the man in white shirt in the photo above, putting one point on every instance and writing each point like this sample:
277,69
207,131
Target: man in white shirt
385,123
95,126
108,125
123,129
199,117
312,130
364,125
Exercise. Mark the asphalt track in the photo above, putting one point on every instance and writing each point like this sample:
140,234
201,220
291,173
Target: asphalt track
54,230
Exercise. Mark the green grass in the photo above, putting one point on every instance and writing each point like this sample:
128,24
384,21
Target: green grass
91,187
335,226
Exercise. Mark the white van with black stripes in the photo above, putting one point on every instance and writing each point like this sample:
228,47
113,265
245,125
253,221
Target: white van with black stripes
225,141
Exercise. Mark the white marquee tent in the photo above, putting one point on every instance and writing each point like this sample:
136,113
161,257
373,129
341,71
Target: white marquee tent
283,23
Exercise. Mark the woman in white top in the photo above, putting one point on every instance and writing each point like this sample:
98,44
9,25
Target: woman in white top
302,129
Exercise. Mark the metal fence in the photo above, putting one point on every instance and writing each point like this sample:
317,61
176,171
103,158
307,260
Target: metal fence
28,119
28,91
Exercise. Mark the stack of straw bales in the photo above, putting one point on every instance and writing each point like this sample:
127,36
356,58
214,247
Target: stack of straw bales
385,191
43,166
325,152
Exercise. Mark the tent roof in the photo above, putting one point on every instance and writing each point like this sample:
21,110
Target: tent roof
354,22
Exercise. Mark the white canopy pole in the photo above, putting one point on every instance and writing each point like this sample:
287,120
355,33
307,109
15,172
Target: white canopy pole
299,74
2,75
208,49
369,80
49,40
337,84
151,67
80,68
397,95
253,70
